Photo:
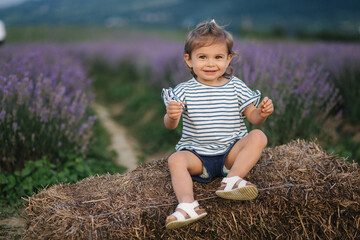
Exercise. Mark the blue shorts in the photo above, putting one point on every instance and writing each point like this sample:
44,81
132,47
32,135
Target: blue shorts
213,166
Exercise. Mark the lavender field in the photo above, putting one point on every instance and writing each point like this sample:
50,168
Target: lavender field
44,95
46,91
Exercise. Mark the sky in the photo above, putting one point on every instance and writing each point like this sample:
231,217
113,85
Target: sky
8,3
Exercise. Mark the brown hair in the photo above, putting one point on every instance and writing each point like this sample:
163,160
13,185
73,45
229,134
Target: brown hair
205,34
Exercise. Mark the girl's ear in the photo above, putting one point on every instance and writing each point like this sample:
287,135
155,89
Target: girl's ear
230,56
187,60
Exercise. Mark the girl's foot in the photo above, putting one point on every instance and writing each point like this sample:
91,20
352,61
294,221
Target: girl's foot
185,213
236,188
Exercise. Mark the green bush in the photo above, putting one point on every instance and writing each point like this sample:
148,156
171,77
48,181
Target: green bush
42,173
38,174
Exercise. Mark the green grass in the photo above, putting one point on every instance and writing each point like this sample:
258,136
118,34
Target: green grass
59,34
71,34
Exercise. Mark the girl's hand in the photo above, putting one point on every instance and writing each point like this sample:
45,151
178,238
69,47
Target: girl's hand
174,110
266,107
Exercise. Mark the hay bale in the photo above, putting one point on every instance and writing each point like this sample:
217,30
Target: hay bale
304,193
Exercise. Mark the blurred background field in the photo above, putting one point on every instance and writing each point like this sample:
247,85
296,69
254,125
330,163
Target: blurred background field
59,57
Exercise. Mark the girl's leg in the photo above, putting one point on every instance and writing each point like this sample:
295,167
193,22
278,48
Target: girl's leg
182,165
245,153
241,158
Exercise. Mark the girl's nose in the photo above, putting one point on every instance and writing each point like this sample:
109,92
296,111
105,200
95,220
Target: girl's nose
210,62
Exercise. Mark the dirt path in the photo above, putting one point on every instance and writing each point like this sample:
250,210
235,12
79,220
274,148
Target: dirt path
123,146
12,227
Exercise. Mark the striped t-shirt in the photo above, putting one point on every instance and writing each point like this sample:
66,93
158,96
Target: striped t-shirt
213,115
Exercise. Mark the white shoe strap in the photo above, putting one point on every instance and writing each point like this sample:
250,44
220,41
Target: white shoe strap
231,181
179,216
189,208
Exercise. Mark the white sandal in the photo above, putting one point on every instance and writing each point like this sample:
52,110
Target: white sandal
191,215
244,190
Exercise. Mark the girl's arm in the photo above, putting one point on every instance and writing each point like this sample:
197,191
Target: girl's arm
257,116
173,115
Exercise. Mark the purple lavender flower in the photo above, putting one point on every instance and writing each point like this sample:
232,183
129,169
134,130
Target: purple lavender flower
15,127
38,83
2,115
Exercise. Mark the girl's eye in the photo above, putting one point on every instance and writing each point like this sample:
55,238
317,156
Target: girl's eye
202,57
218,57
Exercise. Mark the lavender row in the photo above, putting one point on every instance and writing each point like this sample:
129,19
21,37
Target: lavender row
166,56
44,94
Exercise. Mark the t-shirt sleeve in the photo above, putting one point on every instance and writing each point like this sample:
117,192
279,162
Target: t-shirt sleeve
170,94
247,96
167,95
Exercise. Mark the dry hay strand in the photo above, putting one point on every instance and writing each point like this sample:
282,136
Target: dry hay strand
304,193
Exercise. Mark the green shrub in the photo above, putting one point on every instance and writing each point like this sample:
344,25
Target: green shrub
38,174
42,173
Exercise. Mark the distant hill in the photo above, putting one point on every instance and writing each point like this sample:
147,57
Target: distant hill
309,15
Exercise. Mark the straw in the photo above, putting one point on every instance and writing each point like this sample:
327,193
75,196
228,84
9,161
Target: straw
303,193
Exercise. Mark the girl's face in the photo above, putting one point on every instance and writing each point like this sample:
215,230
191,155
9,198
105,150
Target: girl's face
209,63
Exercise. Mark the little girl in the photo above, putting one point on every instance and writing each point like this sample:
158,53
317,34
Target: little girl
215,141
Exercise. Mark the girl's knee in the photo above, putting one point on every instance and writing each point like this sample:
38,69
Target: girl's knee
171,161
175,161
185,160
259,137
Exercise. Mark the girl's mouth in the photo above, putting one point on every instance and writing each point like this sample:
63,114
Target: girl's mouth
210,71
